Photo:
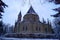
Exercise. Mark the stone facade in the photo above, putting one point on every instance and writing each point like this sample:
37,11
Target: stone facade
31,24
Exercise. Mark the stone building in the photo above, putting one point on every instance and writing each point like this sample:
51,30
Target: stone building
31,24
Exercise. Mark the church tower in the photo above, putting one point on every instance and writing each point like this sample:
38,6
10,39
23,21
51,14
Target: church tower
17,22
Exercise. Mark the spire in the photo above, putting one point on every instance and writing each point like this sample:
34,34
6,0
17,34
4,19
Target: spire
50,24
31,10
44,21
48,21
19,16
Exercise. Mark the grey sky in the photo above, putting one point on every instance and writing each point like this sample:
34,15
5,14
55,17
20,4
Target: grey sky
42,8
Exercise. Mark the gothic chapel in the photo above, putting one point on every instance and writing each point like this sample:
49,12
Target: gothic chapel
31,24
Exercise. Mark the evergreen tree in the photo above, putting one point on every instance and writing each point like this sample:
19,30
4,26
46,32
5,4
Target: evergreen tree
57,22
55,1
57,18
2,6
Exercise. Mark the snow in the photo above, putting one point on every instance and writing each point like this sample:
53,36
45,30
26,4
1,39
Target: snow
24,39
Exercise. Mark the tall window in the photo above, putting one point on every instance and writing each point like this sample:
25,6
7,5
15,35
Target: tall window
24,28
46,30
37,28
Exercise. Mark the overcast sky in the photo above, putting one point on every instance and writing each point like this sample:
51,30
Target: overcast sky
42,8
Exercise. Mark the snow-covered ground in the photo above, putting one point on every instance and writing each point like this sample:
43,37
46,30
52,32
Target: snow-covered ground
24,39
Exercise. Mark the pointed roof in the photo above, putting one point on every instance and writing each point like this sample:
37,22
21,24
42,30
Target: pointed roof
19,14
31,10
